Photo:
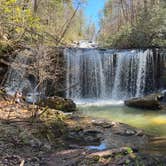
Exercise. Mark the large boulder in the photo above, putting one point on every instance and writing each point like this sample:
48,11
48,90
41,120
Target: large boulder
59,103
151,102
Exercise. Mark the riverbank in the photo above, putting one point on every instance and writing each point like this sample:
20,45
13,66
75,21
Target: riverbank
31,136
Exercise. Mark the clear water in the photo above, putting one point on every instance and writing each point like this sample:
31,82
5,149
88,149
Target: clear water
102,146
152,122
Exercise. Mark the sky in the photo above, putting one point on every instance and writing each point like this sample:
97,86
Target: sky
92,10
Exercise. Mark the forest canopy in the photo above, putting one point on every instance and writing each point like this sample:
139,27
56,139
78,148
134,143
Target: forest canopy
123,23
52,22
133,24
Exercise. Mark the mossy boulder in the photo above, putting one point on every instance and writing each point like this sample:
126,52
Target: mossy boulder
52,126
59,103
151,102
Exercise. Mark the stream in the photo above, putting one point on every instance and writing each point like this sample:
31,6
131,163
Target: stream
103,79
152,122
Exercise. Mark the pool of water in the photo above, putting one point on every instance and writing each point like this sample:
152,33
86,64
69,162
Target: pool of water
152,122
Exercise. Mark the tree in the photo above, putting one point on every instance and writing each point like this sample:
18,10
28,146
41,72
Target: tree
39,25
133,23
90,31
55,21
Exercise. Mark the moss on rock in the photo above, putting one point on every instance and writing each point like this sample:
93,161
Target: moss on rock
59,103
52,126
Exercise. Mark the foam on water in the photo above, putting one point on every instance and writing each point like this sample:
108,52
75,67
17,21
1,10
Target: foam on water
93,102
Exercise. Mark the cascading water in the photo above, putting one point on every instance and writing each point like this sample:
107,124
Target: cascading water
125,75
108,74
141,75
99,74
17,80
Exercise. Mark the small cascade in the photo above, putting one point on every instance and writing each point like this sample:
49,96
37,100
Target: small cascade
109,74
17,75
125,75
92,66
141,75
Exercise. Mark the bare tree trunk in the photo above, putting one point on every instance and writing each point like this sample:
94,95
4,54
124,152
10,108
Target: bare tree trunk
68,24
132,12
35,5
145,6
124,12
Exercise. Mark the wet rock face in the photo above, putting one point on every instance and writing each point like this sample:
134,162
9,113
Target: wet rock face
3,70
59,103
85,136
3,67
147,102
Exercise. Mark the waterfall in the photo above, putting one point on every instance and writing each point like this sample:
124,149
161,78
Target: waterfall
109,74
98,74
16,80
20,77
141,73
125,75
91,64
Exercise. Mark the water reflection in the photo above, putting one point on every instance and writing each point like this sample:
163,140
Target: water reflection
153,122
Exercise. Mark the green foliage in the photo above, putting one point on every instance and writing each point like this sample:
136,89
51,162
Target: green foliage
53,125
16,20
21,21
146,29
120,39
150,29
129,150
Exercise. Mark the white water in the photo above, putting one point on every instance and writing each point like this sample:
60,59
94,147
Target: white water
95,76
100,103
141,76
16,80
108,76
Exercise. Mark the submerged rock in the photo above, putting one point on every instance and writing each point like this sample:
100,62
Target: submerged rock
147,102
59,103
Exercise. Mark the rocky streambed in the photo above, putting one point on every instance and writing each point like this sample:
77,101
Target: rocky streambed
32,135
